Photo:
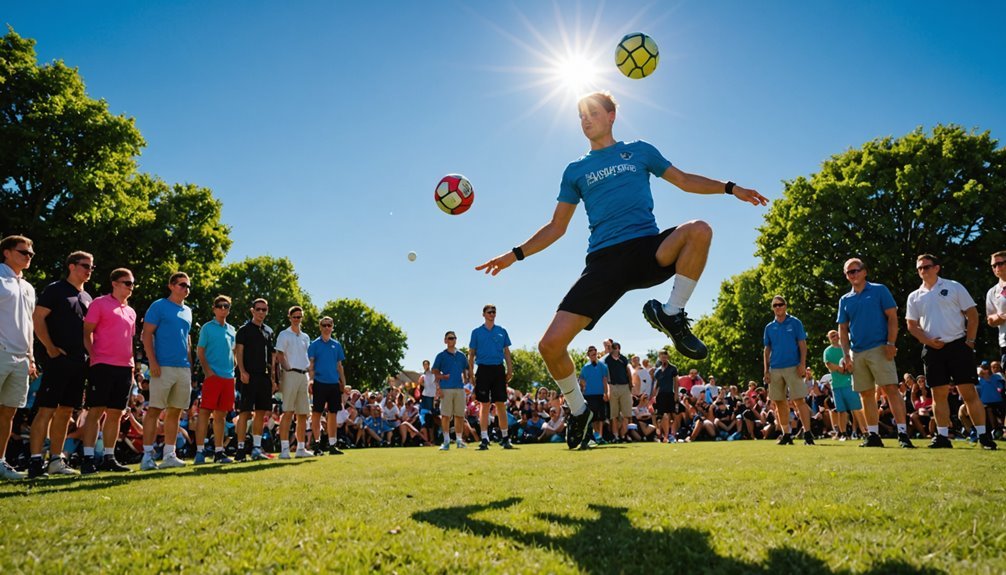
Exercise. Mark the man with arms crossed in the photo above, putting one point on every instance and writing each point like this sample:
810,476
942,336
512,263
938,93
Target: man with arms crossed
109,328
17,333
944,318
488,348
329,383
626,249
868,330
291,354
995,301
168,345
450,369
59,321
215,350
253,352
785,365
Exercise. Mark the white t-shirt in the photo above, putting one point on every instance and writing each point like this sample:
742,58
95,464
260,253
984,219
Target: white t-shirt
940,310
645,381
17,304
390,411
294,347
429,384
699,390
995,302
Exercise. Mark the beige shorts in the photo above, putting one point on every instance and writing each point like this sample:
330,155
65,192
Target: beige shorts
786,384
13,379
172,389
294,389
620,400
452,402
871,369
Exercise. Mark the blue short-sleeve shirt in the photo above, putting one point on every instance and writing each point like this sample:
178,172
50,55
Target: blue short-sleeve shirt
171,339
489,344
217,342
593,375
326,356
452,364
784,337
614,184
865,312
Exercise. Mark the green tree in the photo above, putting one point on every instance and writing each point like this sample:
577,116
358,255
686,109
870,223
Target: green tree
374,345
529,368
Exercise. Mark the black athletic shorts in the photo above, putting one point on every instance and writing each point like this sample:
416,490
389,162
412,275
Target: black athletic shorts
667,402
952,363
597,406
326,395
256,395
490,383
62,383
108,386
614,270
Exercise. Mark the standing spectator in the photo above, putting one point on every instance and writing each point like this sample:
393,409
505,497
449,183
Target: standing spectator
215,350
253,353
291,353
868,330
326,355
450,369
846,401
59,320
665,378
995,301
109,328
944,318
168,346
428,384
594,386
488,348
992,391
17,364
620,392
642,377
785,366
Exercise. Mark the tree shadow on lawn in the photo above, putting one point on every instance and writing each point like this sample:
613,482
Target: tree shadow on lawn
610,543
105,480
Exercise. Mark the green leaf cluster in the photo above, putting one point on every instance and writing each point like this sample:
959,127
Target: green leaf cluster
375,347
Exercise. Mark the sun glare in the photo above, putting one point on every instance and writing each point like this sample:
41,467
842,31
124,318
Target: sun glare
577,74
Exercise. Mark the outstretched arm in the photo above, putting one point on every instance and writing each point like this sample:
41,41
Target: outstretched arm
541,239
697,184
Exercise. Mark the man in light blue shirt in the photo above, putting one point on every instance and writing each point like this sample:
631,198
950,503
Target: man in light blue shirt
329,384
215,350
489,348
785,365
594,383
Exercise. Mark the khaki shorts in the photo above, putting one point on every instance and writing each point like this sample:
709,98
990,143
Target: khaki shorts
294,389
786,384
871,369
620,400
13,380
172,389
452,402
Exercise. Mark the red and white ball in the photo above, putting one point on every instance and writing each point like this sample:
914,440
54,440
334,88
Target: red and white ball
454,194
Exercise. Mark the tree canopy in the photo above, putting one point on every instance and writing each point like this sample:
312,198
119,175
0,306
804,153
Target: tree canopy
374,345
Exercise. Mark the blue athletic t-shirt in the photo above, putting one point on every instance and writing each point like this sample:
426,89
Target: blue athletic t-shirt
452,364
614,184
782,337
326,356
171,339
866,314
488,345
217,342
593,378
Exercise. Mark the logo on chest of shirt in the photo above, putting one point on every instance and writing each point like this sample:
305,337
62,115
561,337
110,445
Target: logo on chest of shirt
944,292
626,155
605,173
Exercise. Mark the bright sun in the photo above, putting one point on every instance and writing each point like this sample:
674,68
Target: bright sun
577,74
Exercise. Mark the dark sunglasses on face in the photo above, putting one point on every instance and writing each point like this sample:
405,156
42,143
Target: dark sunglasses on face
451,337
296,317
184,285
925,267
26,253
853,271
490,311
997,265
777,304
127,283
326,325
261,309
223,306
88,267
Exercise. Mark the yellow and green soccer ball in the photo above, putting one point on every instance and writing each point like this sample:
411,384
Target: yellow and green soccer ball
637,55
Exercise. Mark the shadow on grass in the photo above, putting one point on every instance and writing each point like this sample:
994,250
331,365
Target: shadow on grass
610,543
105,480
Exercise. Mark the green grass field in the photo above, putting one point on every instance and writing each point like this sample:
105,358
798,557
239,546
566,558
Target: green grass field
738,507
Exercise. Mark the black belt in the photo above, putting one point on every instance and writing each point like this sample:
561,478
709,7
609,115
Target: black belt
298,370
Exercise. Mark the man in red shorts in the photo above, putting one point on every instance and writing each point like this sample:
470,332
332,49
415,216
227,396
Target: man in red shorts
216,355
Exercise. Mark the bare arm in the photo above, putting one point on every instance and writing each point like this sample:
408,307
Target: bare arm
42,331
471,361
201,354
509,364
544,237
696,184
802,369
920,334
239,358
342,377
89,336
147,337
972,325
765,357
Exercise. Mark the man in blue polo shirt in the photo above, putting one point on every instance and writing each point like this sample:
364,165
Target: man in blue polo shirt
626,250
215,349
450,369
594,385
785,365
488,348
326,355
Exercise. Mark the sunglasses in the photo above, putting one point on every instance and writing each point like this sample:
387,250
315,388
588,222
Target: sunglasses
853,271
997,265
490,311
88,267
326,325
296,317
222,306
127,283
925,267
778,305
184,285
26,253
451,337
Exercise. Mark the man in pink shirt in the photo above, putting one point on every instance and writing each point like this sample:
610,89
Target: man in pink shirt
109,328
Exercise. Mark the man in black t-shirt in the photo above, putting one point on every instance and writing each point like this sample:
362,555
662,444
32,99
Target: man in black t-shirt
620,392
253,353
665,389
59,326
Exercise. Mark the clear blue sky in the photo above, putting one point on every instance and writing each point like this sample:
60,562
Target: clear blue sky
324,126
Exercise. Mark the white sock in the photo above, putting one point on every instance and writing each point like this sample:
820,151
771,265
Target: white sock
902,428
88,452
944,431
485,435
241,445
873,428
219,449
169,450
148,450
570,388
256,441
980,429
285,445
680,292
504,431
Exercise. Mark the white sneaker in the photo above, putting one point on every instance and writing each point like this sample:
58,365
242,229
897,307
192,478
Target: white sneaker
285,454
171,461
8,472
148,463
462,444
446,446
58,466
304,453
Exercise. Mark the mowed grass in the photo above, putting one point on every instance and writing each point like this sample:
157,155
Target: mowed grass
737,507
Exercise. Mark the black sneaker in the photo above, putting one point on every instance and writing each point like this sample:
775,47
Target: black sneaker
675,327
110,464
36,468
87,467
808,438
872,440
484,445
334,451
577,428
904,442
940,442
240,456
985,440
505,443
785,439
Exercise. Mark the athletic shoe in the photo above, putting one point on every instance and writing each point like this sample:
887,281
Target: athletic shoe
200,458
170,461
587,443
8,472
304,453
221,457
58,466
446,446
808,438
940,442
484,445
985,440
872,440
677,328
240,456
334,450
110,464
36,468
843,437
735,436
505,443
785,439
578,428
285,454
904,442
146,464
87,467
258,455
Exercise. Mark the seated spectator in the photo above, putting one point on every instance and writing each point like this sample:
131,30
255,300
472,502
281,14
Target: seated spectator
555,428
532,428
702,421
723,419
642,427
922,415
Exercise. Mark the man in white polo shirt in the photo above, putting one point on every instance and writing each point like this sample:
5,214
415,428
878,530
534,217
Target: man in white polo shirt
995,301
944,318
17,365
291,353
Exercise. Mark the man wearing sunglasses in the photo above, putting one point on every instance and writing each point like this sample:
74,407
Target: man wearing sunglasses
489,348
785,359
17,332
328,385
168,346
868,331
253,353
291,353
944,318
59,321
215,350
995,301
450,369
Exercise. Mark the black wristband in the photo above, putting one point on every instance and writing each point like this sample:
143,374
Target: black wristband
729,188
519,253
